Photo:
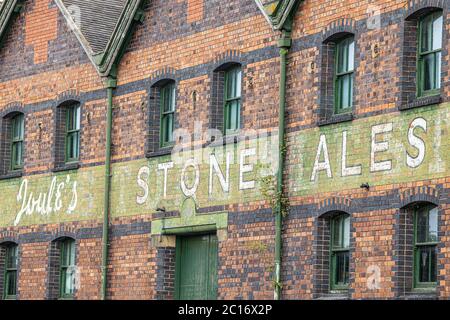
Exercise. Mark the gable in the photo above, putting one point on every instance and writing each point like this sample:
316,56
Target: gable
101,27
276,12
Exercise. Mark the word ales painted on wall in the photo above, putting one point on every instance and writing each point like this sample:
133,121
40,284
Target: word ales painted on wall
380,150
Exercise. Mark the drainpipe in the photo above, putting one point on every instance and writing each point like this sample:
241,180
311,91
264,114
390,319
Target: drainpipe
284,44
111,84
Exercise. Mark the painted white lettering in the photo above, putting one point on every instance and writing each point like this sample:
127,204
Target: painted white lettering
190,192
325,165
417,143
165,167
214,167
378,147
143,175
246,168
348,171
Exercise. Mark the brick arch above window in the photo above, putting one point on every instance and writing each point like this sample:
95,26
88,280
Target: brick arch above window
424,194
418,8
334,204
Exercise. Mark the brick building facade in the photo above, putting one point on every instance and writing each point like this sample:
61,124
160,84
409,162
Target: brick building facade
194,149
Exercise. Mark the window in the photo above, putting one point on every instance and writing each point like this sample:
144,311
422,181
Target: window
340,252
167,105
72,133
430,39
67,269
17,139
425,246
430,53
232,100
10,275
344,74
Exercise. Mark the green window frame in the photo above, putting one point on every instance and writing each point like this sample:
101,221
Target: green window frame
232,100
344,75
340,252
72,136
425,246
10,273
67,269
429,64
17,141
167,105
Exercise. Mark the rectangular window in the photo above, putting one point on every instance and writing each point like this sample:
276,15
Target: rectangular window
425,247
340,252
17,139
167,96
73,121
67,269
232,110
10,285
344,74
430,54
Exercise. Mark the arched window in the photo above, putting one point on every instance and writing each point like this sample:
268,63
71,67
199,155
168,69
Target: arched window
67,135
425,245
430,53
9,256
167,101
13,144
421,78
62,272
417,246
333,254
344,74
340,252
338,70
232,99
226,99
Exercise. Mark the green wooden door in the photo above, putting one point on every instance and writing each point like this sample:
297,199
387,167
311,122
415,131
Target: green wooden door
196,268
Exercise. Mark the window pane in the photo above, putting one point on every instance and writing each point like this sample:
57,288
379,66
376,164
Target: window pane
345,91
11,283
437,31
428,72
11,257
342,260
438,63
351,55
238,83
427,264
426,36
422,226
433,225
337,232
346,235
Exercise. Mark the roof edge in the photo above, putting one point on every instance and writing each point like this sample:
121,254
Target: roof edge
7,8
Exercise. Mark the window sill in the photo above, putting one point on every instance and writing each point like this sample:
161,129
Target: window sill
337,118
335,295
229,139
12,175
160,152
67,167
421,294
422,102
